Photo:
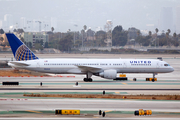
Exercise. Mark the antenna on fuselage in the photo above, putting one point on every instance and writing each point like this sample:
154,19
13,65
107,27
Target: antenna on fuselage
160,58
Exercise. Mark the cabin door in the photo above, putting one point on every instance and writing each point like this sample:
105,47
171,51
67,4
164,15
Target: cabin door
124,65
37,64
158,65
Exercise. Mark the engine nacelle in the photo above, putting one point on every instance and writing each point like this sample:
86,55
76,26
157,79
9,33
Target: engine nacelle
109,74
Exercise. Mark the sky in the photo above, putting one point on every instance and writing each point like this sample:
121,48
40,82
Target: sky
92,13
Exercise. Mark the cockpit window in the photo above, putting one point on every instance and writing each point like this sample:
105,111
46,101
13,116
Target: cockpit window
166,65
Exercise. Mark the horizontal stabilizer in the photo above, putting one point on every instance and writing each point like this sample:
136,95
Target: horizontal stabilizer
19,64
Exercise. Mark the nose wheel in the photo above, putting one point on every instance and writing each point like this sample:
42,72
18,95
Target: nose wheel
87,79
154,77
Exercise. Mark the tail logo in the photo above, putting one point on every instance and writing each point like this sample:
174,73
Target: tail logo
23,53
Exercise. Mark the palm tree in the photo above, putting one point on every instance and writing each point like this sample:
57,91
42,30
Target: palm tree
85,27
52,29
156,30
174,36
150,33
167,37
169,31
167,34
156,35
138,32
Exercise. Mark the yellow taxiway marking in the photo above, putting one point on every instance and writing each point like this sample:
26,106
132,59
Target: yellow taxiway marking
108,110
124,83
95,117
33,111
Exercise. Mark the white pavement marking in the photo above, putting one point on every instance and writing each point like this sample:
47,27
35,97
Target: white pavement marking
90,104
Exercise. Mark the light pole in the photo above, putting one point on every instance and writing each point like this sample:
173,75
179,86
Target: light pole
29,26
74,39
39,25
82,38
45,25
74,34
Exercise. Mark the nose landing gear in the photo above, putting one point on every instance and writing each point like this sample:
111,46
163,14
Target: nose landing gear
152,79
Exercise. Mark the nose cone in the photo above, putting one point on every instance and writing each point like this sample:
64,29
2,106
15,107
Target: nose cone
171,69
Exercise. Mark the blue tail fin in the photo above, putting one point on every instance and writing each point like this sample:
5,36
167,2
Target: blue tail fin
20,50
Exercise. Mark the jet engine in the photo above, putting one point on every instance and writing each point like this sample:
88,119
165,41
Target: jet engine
108,74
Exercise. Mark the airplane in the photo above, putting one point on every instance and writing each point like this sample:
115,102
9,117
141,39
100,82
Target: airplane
105,68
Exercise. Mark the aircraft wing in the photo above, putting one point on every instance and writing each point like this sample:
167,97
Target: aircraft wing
92,69
19,64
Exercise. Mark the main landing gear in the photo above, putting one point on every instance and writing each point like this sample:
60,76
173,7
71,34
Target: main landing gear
88,77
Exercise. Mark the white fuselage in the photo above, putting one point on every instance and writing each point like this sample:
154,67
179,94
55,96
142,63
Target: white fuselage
74,66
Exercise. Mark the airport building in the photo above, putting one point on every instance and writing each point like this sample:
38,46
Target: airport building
132,35
90,34
34,37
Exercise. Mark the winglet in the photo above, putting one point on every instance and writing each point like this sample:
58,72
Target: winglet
20,50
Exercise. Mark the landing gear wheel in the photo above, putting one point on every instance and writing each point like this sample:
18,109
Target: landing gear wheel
90,79
85,80
134,79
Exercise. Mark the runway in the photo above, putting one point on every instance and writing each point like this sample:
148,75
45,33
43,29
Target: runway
98,85
12,99
85,89
139,86
89,104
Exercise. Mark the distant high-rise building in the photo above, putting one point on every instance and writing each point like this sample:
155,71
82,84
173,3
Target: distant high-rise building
150,27
8,21
23,23
166,19
178,19
36,25
108,29
1,23
54,22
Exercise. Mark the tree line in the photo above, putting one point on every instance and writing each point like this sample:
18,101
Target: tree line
89,38
164,39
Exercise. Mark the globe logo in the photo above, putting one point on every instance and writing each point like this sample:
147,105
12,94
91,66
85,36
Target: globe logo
23,53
